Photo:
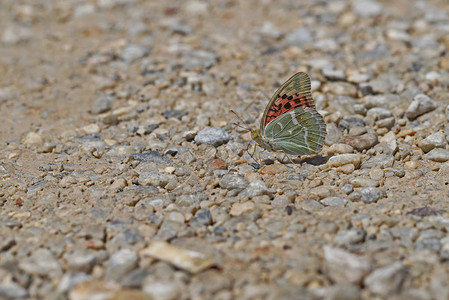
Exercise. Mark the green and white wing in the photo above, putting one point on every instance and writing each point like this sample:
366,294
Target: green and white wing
298,132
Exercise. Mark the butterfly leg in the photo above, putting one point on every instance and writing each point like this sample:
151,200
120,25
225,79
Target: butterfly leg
258,154
252,154
286,155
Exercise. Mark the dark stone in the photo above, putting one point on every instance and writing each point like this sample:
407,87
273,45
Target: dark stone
366,90
151,156
201,218
174,113
150,128
425,211
348,123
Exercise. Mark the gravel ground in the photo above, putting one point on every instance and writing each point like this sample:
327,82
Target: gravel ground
122,176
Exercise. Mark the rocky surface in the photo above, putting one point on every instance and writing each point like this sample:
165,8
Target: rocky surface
123,176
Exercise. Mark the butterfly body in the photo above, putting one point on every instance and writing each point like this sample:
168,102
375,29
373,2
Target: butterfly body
290,122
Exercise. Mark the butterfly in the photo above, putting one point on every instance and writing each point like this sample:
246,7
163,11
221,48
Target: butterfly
290,122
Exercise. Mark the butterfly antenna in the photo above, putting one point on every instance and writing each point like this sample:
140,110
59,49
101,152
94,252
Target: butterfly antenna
238,117
241,120
265,95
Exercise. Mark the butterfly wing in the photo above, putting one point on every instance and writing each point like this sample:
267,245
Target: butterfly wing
300,131
294,93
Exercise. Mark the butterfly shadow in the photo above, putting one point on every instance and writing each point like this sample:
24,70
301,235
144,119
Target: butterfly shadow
313,160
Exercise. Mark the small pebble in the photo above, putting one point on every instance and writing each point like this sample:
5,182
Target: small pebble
212,136
438,155
343,159
33,139
420,105
436,140
386,280
362,142
334,201
367,195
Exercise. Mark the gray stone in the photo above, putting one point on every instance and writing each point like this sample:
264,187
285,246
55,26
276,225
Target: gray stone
167,289
343,104
120,264
334,201
380,161
389,101
428,243
367,8
202,218
388,280
406,234
425,41
420,105
151,156
363,142
351,122
390,147
12,290
444,251
181,28
133,52
367,195
174,113
80,260
42,262
311,205
6,243
212,136
187,200
447,112
101,104
386,123
233,181
257,188
398,35
436,140
209,282
379,113
344,159
169,230
269,30
353,236
438,155
199,59
134,278
357,77
347,188
6,93
336,75
343,292
281,201
345,267
382,85
333,135
174,150
364,182
154,179
298,37
126,237
70,280
340,88
83,10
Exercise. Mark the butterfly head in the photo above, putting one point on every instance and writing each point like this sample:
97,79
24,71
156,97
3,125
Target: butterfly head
256,135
